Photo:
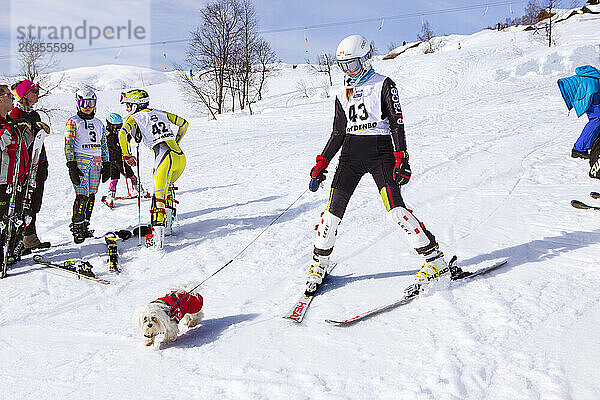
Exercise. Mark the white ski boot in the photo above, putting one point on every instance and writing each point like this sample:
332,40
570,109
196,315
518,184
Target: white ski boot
433,273
169,221
316,272
156,239
110,199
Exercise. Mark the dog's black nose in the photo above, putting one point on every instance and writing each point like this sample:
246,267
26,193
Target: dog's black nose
150,325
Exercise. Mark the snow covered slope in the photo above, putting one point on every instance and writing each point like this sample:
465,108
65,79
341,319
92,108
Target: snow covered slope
489,139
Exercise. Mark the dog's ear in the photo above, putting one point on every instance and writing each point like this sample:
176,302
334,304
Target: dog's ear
138,316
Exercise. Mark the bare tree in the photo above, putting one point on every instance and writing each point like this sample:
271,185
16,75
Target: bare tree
213,45
324,63
391,46
230,55
548,6
265,56
532,12
35,64
198,90
427,35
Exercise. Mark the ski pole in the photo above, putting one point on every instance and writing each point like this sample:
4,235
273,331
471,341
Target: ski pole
139,196
244,249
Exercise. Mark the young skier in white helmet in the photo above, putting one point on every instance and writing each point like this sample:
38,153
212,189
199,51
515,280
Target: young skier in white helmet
369,129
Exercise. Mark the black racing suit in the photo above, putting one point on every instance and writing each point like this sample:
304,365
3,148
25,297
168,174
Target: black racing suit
117,165
366,153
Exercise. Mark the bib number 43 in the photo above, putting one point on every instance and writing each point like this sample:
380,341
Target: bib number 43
362,110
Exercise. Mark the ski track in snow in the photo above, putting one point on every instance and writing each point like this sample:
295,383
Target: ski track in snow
489,141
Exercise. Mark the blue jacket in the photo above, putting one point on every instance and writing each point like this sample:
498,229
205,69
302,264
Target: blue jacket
578,90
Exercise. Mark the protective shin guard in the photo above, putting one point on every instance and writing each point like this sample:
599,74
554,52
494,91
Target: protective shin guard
326,233
79,209
418,236
89,207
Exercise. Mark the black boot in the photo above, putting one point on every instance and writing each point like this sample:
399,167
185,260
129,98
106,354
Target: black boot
580,154
89,207
78,218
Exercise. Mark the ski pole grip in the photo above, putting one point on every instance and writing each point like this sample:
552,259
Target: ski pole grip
313,185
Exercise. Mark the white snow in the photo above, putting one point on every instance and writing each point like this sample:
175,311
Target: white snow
489,141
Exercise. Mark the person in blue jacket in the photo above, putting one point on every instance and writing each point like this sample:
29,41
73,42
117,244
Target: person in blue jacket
582,92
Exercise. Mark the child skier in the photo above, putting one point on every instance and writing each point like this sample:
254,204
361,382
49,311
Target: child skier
118,167
369,129
87,159
582,92
153,126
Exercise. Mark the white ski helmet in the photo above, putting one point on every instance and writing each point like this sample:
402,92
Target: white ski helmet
353,54
85,98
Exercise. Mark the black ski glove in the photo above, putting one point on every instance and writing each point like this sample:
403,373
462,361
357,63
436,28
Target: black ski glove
74,172
105,171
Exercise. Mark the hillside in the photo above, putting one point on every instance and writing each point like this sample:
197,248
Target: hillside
489,140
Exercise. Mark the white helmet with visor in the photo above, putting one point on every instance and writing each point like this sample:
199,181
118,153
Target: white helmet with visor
354,55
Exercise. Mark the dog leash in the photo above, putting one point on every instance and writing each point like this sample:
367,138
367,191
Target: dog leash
241,251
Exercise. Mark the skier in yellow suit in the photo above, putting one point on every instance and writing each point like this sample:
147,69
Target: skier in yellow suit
154,128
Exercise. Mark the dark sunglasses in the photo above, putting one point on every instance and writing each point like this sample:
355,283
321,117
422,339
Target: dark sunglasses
36,90
9,94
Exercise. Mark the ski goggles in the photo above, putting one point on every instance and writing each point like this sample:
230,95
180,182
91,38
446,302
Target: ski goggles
350,66
128,100
86,103
113,127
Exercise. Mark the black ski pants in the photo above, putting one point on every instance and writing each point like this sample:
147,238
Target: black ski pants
372,154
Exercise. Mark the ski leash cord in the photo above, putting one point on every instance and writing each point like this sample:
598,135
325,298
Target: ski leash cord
241,251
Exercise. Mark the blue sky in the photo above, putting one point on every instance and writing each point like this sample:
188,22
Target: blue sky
173,20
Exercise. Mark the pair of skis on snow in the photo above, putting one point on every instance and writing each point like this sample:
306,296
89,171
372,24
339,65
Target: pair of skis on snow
70,266
14,223
298,310
582,206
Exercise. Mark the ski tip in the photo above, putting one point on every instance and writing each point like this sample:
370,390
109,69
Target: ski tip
578,204
287,317
334,323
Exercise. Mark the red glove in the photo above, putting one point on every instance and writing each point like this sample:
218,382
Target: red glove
319,171
402,170
130,160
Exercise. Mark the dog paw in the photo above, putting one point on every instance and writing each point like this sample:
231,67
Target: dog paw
149,342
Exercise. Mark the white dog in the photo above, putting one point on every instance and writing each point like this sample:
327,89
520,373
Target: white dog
162,315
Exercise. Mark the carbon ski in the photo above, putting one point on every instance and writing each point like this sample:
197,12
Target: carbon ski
298,310
69,267
410,297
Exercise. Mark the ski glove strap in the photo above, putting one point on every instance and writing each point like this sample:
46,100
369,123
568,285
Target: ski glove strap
402,170
74,172
105,171
319,171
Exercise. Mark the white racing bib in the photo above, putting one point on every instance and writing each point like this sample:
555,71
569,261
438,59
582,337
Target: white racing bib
154,126
88,136
363,110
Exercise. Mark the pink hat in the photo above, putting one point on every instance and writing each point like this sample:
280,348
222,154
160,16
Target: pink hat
23,88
